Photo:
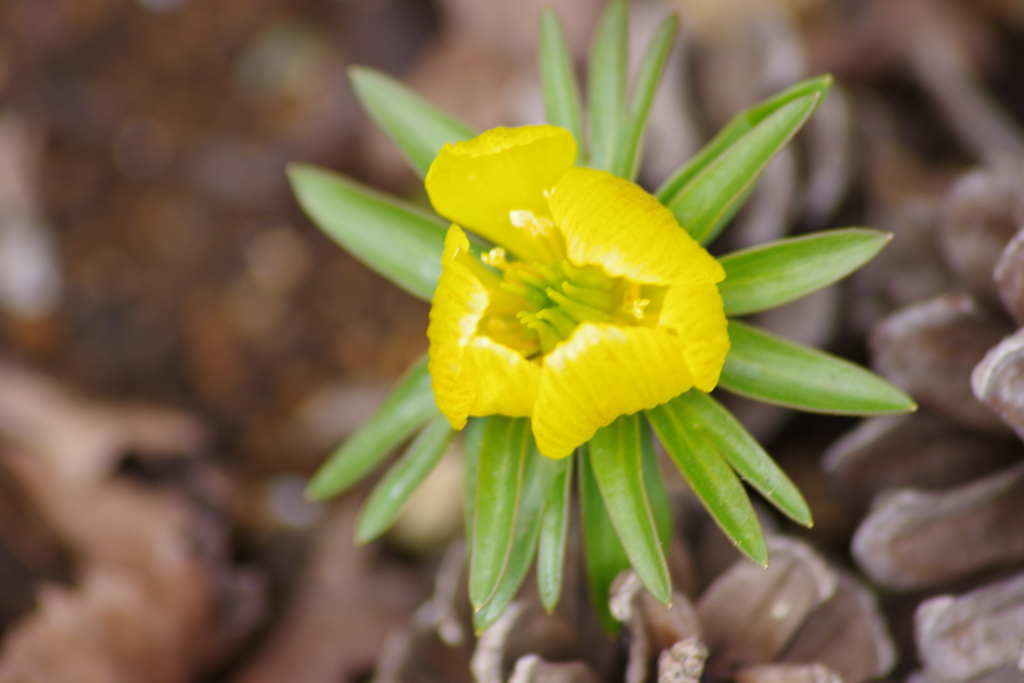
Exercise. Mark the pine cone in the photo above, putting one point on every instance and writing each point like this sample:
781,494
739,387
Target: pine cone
801,619
947,485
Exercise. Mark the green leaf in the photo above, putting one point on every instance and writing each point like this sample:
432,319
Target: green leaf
558,80
767,368
499,487
396,239
603,553
409,405
554,533
616,453
776,273
536,483
742,452
630,145
472,441
740,125
703,205
607,81
657,494
404,477
418,128
698,455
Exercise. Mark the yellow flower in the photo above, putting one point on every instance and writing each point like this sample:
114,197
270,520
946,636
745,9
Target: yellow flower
594,304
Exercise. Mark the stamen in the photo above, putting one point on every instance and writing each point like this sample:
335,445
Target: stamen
595,298
527,276
542,232
496,258
591,278
548,335
531,295
551,276
513,334
632,303
536,226
638,308
560,319
576,310
536,306
487,277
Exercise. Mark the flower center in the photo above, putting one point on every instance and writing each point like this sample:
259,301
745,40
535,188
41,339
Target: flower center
534,306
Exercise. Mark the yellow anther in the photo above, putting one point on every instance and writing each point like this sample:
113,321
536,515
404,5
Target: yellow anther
496,258
542,232
638,308
632,303
540,227
520,219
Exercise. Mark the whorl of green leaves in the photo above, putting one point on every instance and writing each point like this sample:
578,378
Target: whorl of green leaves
517,502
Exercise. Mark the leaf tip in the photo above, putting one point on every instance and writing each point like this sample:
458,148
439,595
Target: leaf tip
756,550
356,72
315,492
664,596
906,403
296,169
362,537
671,22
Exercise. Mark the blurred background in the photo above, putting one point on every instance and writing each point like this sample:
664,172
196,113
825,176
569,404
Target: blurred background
151,254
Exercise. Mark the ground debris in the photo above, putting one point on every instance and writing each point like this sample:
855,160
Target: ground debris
960,638
914,539
156,596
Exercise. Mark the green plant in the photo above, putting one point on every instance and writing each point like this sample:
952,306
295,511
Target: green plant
516,500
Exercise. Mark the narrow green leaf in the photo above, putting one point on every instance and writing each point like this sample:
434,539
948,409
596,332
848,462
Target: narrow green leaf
776,273
617,457
394,489
396,239
418,128
558,80
743,453
499,487
702,206
409,405
657,494
603,553
767,368
472,441
698,455
630,146
554,533
740,125
536,483
607,81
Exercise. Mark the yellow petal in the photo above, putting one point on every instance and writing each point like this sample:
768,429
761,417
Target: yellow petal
459,302
479,182
471,374
696,313
599,373
503,382
615,224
